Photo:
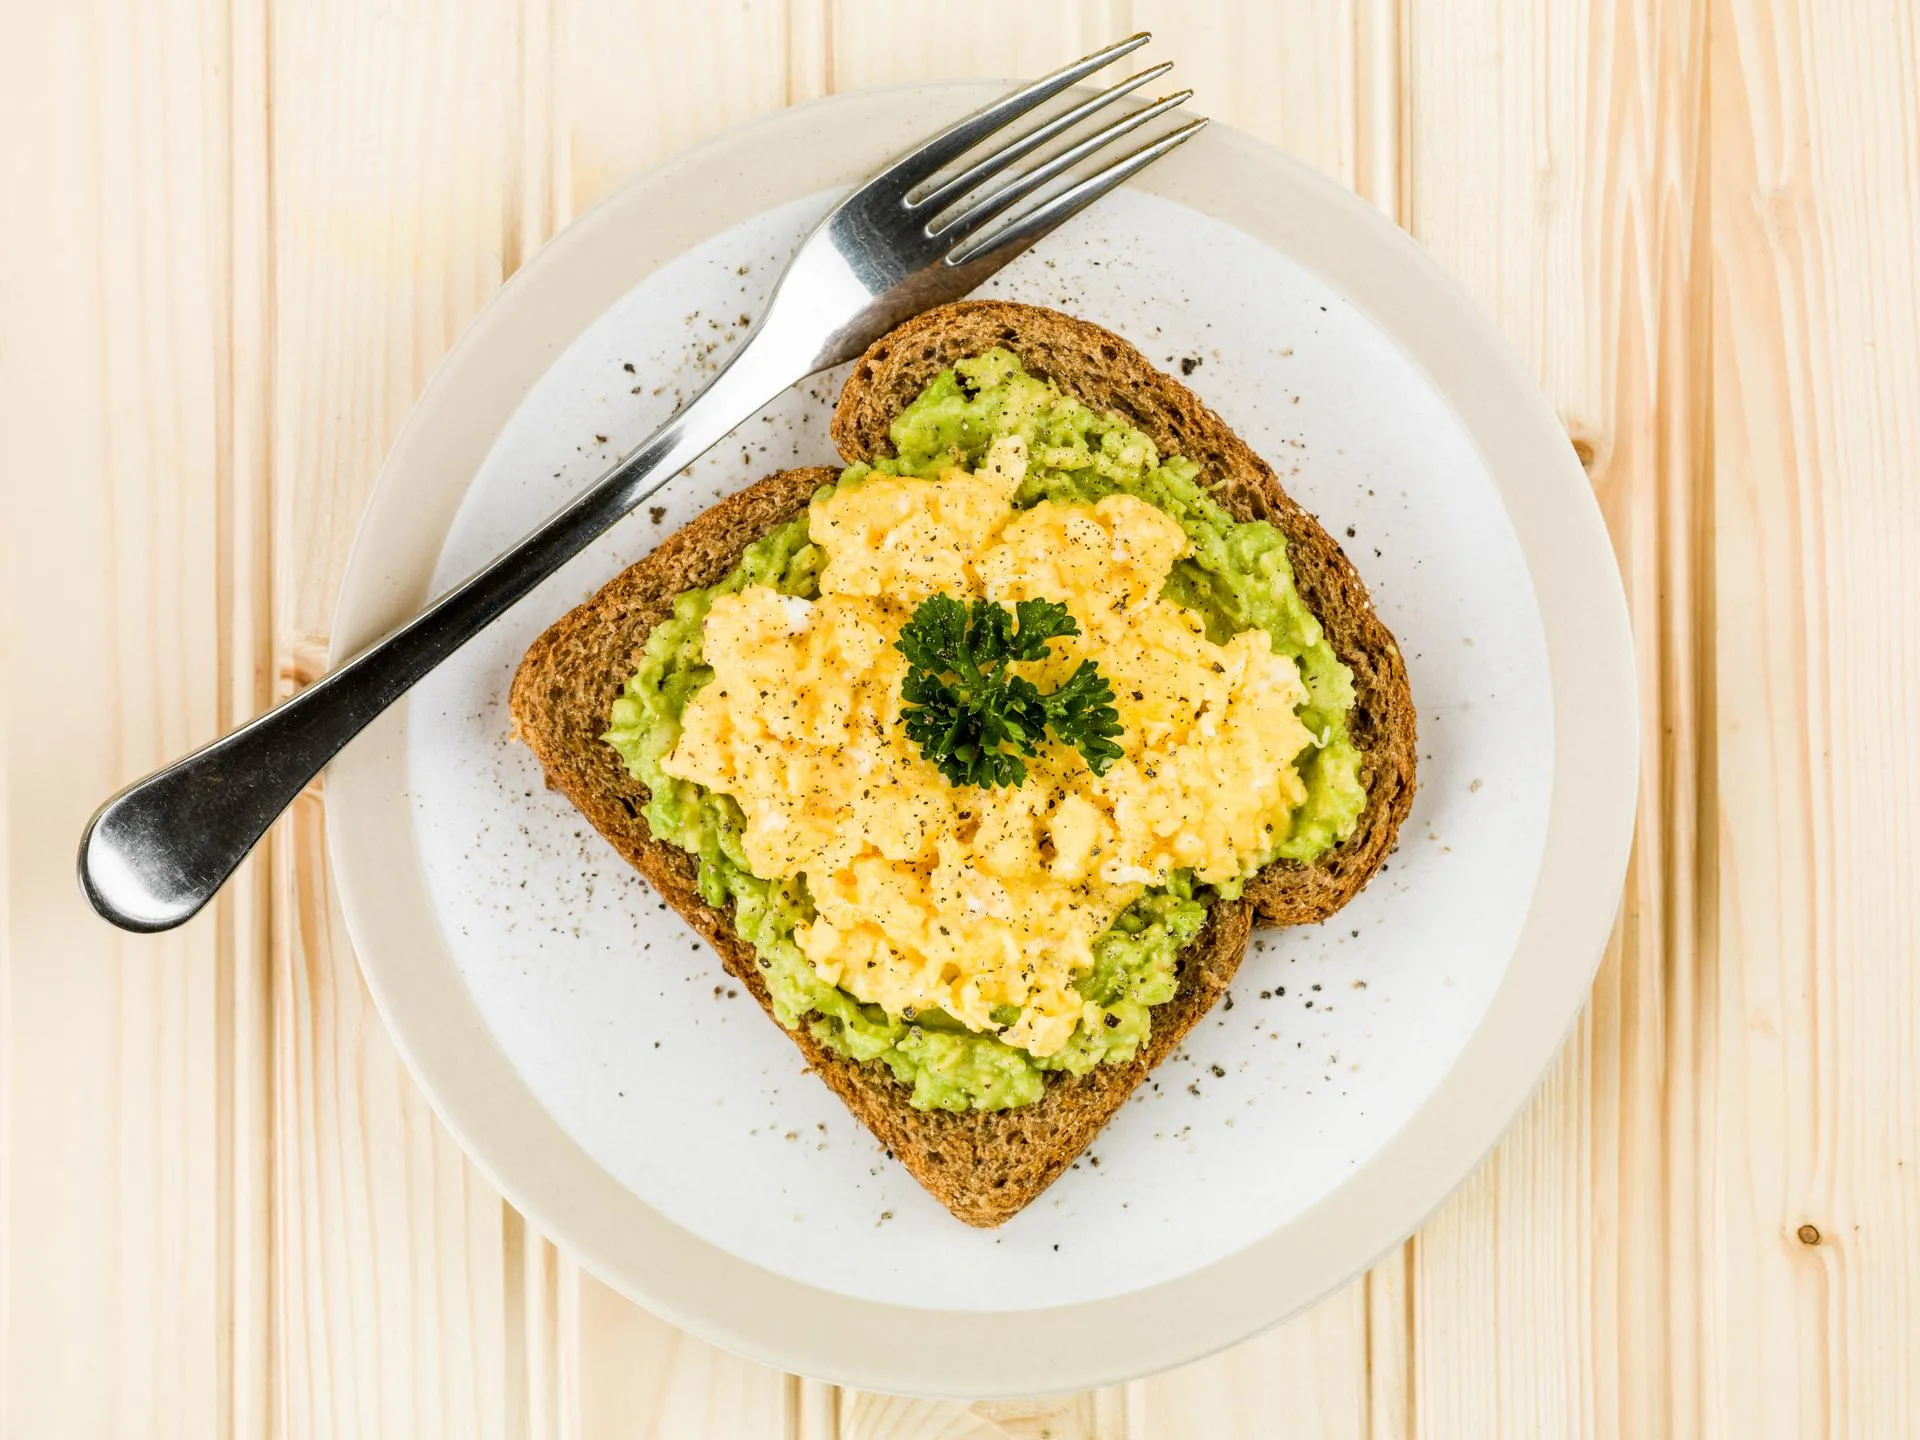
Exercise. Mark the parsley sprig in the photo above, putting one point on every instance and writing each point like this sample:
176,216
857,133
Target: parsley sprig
972,716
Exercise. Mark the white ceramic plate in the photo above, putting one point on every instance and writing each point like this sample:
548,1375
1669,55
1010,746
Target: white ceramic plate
590,1053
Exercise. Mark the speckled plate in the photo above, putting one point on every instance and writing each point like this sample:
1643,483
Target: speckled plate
592,1056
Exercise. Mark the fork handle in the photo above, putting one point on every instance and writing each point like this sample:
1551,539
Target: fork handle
156,852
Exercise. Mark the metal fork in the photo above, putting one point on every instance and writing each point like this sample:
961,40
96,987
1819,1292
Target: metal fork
907,240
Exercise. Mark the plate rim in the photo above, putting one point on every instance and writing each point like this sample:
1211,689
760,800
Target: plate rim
873,1344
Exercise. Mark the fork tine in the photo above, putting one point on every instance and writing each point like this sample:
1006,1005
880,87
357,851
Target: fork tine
1021,233
950,144
1014,150
1000,200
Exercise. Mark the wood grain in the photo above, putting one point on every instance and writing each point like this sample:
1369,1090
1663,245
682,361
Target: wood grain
1294,76
134,1129
240,236
1811,1254
638,1376
418,154
1557,172
389,184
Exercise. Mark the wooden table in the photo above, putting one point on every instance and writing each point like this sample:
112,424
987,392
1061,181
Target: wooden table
238,235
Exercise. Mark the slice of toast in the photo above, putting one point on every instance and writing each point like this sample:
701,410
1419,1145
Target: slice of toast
984,1166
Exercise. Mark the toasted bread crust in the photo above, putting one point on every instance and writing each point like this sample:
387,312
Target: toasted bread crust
983,1166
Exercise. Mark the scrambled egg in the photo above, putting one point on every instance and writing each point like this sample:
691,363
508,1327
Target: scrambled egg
977,901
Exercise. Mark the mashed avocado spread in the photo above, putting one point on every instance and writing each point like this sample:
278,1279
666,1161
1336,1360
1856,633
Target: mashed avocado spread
1236,578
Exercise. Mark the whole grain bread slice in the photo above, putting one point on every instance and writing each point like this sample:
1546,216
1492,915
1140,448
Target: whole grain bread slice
984,1167
1107,374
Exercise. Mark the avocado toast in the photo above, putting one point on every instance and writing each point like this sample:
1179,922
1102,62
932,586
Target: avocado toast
988,1157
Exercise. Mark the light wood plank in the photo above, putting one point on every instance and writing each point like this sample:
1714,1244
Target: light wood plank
1389,1314
390,1251
1309,1378
1812,1300
134,1146
1324,83
1290,74
401,204
878,42
638,83
639,1378
1090,1415
245,578
1286,73
391,175
1555,170
630,85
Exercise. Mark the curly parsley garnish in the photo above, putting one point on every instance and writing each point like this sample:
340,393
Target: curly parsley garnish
972,716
